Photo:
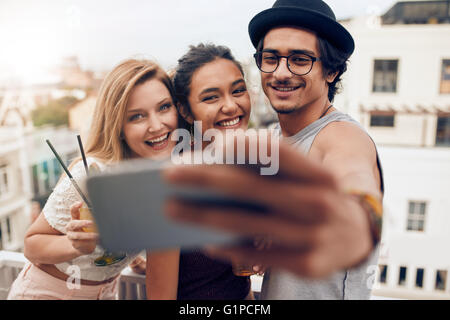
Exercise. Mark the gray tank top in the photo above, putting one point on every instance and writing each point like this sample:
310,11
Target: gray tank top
347,284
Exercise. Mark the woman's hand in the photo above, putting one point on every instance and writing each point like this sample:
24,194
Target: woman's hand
83,242
138,265
261,243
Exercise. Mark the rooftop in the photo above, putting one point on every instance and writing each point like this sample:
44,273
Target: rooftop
418,12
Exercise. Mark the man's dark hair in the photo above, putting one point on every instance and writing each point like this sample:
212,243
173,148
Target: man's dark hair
194,59
333,60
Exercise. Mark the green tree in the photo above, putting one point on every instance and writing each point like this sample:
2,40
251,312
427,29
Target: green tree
55,112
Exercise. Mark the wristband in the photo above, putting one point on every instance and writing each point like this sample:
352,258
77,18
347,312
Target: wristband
374,209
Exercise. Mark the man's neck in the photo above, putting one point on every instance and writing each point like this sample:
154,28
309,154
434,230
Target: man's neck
291,123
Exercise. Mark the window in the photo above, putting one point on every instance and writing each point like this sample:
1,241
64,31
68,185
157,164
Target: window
385,76
4,181
5,232
383,273
36,179
57,170
416,216
45,176
402,276
443,130
441,279
382,119
419,277
445,76
70,157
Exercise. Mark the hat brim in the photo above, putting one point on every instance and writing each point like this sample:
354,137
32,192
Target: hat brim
315,21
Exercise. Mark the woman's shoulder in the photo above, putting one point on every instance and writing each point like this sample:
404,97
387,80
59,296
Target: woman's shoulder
92,161
77,168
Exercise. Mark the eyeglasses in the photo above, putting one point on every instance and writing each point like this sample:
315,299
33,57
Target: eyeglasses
297,63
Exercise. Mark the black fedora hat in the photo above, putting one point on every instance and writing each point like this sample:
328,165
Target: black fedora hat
314,15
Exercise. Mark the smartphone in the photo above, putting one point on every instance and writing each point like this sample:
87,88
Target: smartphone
127,205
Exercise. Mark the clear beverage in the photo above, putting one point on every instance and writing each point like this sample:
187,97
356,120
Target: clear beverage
85,214
108,258
242,269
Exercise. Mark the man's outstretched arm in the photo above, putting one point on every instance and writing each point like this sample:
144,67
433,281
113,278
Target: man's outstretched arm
315,226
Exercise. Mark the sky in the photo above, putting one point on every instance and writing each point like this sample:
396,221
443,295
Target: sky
37,34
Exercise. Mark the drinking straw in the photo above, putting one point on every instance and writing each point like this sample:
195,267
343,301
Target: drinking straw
83,155
74,183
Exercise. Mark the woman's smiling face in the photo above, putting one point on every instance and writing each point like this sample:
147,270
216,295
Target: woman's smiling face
218,96
150,119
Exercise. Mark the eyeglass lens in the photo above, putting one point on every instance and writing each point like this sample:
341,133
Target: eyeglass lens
298,64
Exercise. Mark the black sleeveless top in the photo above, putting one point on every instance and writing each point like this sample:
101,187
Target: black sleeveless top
202,278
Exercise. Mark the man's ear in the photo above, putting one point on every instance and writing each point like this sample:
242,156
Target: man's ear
331,76
185,113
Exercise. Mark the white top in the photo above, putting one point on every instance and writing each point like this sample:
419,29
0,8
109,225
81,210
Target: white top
57,213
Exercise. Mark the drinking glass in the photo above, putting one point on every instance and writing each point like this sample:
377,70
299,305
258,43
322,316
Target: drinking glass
108,258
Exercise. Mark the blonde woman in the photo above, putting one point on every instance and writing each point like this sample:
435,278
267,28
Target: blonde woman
134,117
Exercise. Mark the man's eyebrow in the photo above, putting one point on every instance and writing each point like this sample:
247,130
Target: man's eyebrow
298,51
311,53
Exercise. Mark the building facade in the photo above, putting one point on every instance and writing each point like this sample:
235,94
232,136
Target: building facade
28,169
15,192
398,87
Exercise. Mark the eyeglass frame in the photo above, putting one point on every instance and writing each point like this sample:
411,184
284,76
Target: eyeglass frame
313,59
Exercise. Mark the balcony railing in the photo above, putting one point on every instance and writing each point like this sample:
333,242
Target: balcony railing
131,285
10,265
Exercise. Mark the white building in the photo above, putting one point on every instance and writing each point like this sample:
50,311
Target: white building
415,259
398,87
44,169
15,190
28,169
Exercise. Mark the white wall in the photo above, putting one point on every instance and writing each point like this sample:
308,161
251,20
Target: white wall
16,206
420,50
408,130
416,174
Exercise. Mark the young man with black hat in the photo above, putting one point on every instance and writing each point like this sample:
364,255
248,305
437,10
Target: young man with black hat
325,208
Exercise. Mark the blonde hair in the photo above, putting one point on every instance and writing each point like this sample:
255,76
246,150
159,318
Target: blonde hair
105,140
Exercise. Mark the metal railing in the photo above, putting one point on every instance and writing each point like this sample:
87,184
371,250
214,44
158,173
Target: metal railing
10,265
131,285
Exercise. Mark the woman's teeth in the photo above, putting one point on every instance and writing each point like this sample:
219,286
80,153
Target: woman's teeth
157,140
229,123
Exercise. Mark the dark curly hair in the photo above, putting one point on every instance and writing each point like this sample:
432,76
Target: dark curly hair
196,57
333,61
